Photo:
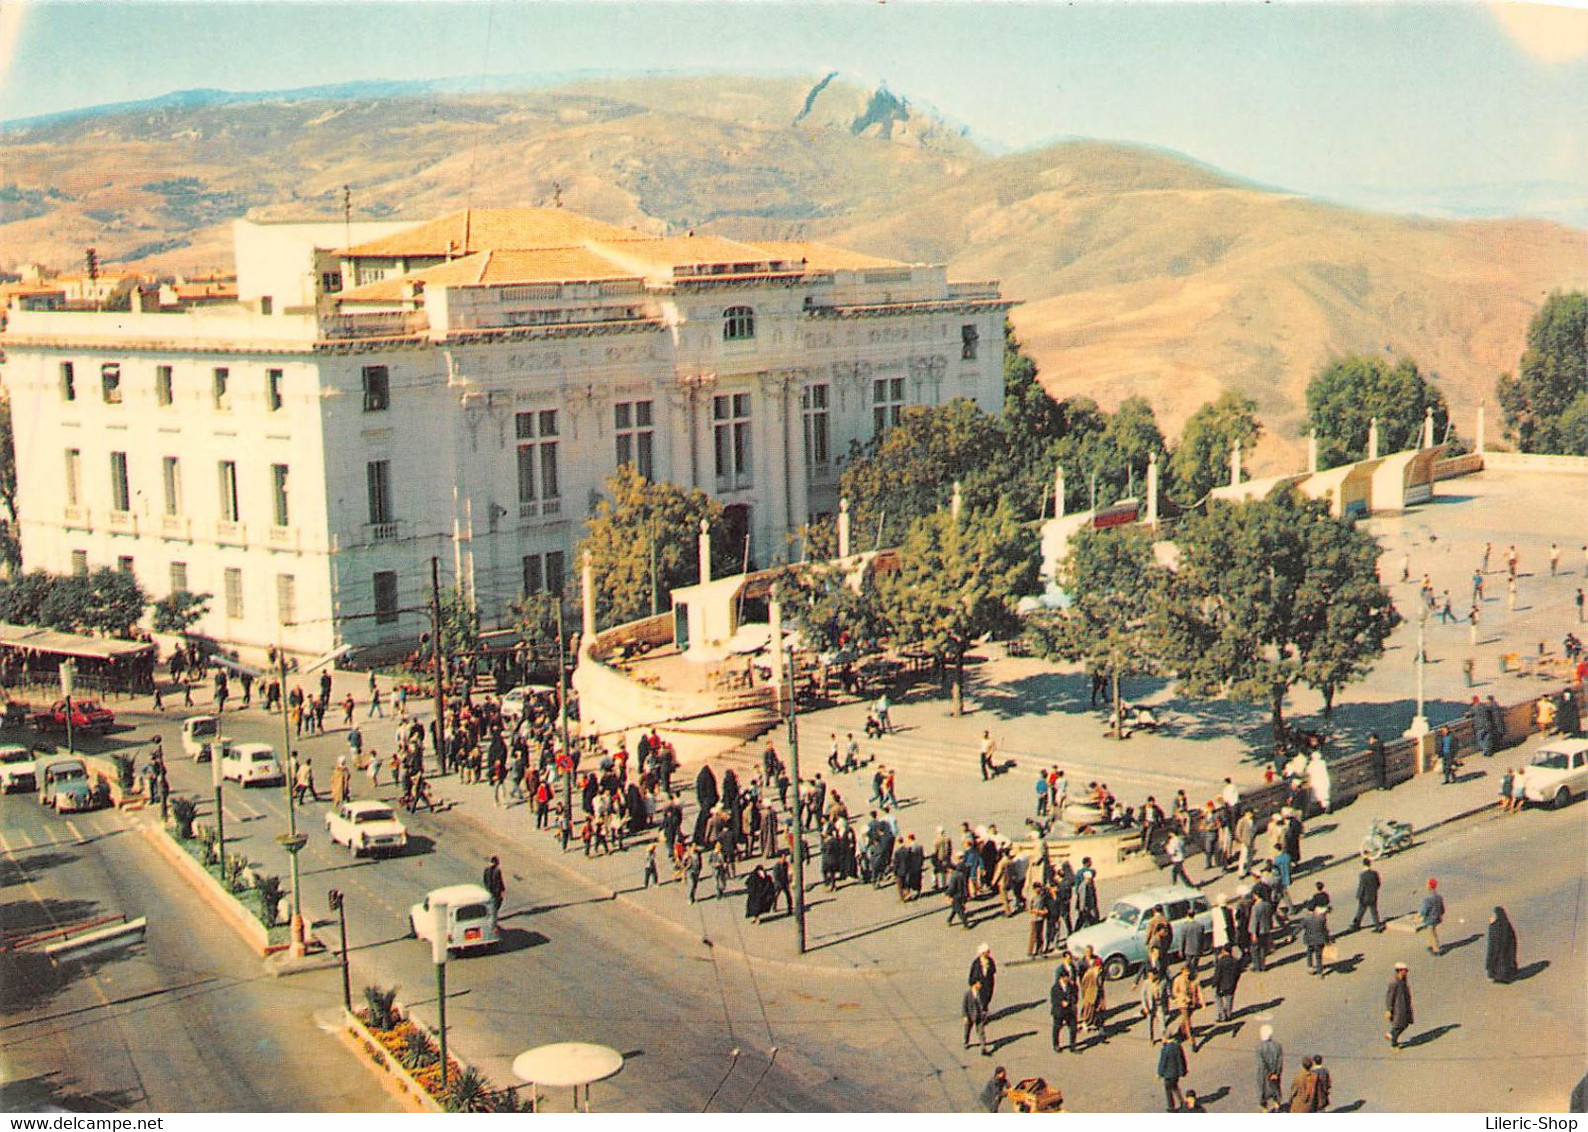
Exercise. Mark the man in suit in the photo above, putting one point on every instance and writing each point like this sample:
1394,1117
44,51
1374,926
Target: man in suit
1368,883
984,974
975,1013
1063,1005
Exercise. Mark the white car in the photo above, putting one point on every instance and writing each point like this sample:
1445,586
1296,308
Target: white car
200,734
252,763
471,917
19,769
1558,773
366,827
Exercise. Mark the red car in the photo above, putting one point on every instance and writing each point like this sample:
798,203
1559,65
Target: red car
86,716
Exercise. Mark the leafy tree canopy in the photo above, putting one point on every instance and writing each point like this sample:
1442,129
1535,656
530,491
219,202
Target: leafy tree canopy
958,579
179,611
1349,392
828,611
1546,404
1201,460
107,601
636,517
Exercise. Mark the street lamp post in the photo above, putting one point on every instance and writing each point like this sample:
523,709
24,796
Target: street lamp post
562,706
1419,727
794,769
220,811
339,905
438,955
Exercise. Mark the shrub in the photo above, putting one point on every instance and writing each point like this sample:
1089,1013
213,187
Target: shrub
382,1015
232,866
268,888
469,1091
183,812
124,770
421,1051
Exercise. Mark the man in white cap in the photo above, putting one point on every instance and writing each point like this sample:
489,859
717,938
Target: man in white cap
1270,1070
984,974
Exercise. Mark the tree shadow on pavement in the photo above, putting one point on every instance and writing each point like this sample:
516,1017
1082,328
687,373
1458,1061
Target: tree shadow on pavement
20,872
54,1091
1433,1035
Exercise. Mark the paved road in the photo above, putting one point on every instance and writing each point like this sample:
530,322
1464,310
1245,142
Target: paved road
187,1021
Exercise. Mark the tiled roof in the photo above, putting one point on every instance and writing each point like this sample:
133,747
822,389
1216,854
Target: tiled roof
498,229
544,265
825,257
685,251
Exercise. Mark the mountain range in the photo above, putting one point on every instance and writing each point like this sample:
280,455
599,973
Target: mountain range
1137,270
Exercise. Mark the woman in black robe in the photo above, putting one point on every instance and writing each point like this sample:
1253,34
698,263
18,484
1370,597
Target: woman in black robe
1500,962
759,894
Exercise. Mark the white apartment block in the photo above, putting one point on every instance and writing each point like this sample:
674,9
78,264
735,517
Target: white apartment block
382,394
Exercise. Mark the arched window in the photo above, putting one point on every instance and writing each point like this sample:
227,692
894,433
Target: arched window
738,324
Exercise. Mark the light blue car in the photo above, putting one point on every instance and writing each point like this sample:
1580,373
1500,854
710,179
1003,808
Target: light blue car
1120,941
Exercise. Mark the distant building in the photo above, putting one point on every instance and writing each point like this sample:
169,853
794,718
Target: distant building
460,389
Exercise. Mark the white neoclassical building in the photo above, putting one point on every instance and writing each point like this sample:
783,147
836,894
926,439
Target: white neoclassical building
381,394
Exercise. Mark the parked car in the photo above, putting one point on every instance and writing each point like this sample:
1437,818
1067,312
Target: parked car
366,827
86,716
251,764
67,788
471,917
200,734
1558,773
1121,940
518,699
19,769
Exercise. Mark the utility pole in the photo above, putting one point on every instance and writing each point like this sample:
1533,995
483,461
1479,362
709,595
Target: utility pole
293,841
338,905
562,708
440,914
435,653
220,811
794,769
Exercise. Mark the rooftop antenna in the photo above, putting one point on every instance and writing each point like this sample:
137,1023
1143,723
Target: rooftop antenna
347,215
556,194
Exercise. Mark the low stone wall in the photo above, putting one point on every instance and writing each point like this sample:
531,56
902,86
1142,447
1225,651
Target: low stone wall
1535,462
1458,466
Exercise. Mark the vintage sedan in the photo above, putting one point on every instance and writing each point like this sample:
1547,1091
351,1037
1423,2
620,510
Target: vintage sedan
67,788
470,917
1121,940
1558,773
19,769
366,827
86,715
251,764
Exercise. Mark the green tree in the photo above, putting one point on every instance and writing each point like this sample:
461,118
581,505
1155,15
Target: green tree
639,525
1252,609
958,579
1201,460
179,611
1115,622
826,609
115,602
1349,392
22,600
1546,404
1104,453
535,618
908,471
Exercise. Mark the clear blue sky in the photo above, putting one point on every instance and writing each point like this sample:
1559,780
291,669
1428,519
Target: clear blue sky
1389,97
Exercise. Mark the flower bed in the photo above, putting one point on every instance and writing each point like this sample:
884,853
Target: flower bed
236,876
402,1047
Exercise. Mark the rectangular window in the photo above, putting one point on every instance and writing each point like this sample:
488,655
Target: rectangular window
162,385
234,593
278,494
635,432
68,382
377,389
80,563
331,282
539,491
171,481
228,486
887,403
110,382
286,598
120,496
731,433
179,577
273,379
385,597
544,572
378,477
74,476
222,389
818,438
967,341
124,563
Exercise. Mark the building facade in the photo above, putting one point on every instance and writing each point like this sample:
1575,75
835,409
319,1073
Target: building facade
381,395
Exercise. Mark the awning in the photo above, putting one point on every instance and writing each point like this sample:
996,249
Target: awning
69,644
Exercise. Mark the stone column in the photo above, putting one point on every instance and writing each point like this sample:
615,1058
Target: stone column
705,552
587,579
1312,452
1428,428
776,613
1152,490
1482,407
1058,492
1372,439
1235,464
955,502
843,528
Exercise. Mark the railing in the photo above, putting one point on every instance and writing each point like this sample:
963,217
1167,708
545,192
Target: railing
974,289
283,538
123,523
231,533
77,517
539,509
382,532
381,324
176,526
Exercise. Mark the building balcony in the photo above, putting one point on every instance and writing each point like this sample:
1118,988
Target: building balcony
176,527
530,510
381,532
123,523
77,518
282,538
231,534
375,324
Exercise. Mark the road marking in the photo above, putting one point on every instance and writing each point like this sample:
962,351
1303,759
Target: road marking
77,833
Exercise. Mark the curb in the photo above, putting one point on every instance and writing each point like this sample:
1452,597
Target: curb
238,918
375,1056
